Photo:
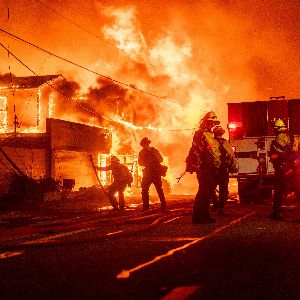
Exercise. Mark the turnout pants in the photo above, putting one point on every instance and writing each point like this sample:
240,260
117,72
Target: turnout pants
112,190
208,180
147,180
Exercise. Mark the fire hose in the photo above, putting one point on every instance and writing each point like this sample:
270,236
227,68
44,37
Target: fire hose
100,237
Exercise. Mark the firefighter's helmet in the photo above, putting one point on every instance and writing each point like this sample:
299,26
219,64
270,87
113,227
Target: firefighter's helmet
218,130
211,117
145,142
279,125
114,159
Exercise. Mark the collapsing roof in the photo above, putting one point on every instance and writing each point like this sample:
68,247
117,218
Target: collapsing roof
28,82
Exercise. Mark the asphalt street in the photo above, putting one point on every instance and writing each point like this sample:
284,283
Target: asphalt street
135,255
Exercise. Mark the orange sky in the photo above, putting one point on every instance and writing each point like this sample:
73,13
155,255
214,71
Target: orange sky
201,54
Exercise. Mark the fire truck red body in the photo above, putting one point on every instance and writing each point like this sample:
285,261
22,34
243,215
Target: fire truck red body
250,133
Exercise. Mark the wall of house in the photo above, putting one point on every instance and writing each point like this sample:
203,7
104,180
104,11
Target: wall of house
73,165
62,153
71,144
71,136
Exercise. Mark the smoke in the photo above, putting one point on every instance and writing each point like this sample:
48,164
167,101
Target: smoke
200,54
220,56
67,88
6,78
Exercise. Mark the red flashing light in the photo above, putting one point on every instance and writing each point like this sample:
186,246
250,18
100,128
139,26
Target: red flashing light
232,126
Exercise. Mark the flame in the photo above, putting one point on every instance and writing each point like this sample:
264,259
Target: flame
123,31
39,95
129,125
102,162
3,113
115,143
173,51
51,106
173,60
135,127
31,130
169,176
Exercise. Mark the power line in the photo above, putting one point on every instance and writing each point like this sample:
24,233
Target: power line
80,105
131,86
76,24
85,108
91,33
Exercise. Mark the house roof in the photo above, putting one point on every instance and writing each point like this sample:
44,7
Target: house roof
28,82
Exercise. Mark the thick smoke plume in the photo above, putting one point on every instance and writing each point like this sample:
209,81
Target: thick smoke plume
194,55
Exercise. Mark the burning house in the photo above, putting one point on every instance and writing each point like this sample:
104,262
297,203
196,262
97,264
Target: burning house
40,137
35,144
24,104
44,136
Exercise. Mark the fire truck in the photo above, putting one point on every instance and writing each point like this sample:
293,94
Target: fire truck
250,134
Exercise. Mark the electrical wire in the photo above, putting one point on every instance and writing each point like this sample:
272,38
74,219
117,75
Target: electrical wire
131,86
93,34
76,24
77,103
82,106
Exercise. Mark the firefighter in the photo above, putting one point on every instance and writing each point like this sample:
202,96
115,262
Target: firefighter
121,179
209,161
151,159
228,165
284,157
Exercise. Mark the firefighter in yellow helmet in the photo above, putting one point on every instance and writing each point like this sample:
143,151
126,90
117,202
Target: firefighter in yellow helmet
206,152
284,157
228,165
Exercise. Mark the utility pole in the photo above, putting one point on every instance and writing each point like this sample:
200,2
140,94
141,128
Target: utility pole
16,122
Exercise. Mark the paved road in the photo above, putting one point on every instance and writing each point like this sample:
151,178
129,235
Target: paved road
245,255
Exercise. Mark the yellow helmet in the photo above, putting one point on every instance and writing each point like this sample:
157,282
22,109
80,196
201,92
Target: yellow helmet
212,117
279,125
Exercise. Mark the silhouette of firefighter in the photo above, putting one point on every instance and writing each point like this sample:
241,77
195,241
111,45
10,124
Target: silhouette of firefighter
204,158
121,179
228,165
151,159
285,160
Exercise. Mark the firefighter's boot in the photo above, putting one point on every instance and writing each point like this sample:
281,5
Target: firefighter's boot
221,212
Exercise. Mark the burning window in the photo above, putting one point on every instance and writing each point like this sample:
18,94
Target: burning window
3,112
130,161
